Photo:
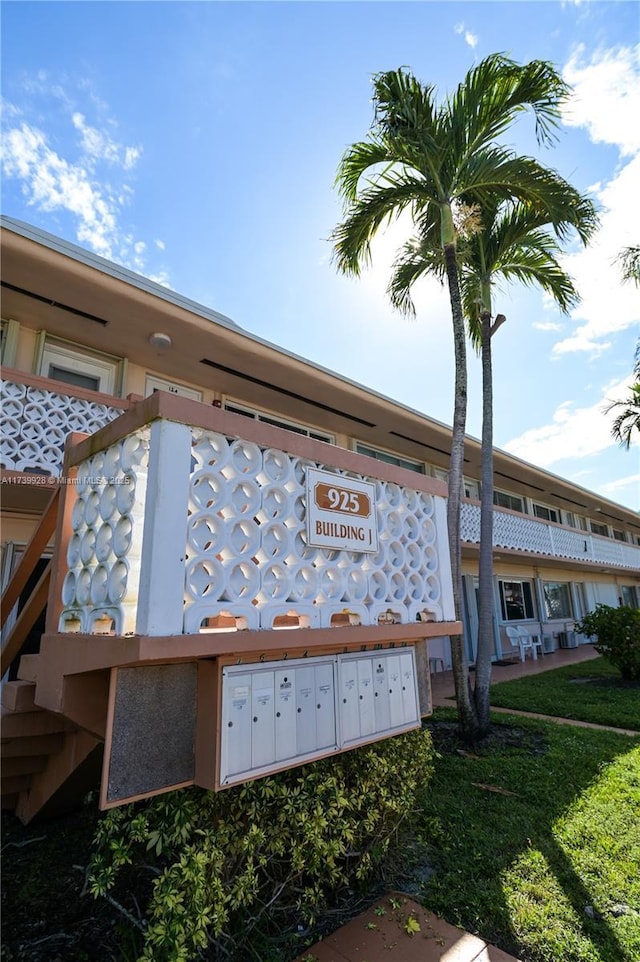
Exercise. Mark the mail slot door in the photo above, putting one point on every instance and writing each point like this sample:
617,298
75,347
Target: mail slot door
263,735
409,702
394,678
236,724
348,700
325,706
381,694
285,721
365,696
305,710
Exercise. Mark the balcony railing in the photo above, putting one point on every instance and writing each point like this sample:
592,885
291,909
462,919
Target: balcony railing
37,416
519,532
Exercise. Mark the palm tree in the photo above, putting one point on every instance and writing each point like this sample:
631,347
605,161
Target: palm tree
628,420
425,158
630,262
508,242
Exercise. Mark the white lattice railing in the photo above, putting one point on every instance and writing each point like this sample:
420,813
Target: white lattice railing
175,527
36,420
523,533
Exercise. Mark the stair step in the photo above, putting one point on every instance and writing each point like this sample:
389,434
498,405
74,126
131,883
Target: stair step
18,696
15,784
28,668
32,745
23,765
25,724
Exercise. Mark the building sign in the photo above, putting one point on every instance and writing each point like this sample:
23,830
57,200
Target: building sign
341,512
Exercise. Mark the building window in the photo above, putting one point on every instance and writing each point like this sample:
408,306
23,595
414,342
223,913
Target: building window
389,458
154,384
545,513
246,412
557,600
471,489
71,364
619,535
597,528
516,600
510,501
629,595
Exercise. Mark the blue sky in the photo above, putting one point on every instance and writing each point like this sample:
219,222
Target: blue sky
197,143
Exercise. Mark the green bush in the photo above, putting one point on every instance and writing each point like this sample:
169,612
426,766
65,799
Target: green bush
233,865
618,637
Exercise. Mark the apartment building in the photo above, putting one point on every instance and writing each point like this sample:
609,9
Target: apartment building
94,356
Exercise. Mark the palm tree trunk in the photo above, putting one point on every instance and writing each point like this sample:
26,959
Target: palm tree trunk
485,567
466,710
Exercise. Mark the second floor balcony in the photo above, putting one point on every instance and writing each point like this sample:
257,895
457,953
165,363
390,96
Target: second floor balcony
38,414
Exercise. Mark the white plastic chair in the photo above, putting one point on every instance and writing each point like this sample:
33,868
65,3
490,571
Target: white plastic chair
522,640
531,641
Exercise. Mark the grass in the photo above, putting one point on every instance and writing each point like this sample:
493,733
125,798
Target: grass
534,840
590,691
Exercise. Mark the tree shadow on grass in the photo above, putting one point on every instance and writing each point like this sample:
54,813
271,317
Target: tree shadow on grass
488,809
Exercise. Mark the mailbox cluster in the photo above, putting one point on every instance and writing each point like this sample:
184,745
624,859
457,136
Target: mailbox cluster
281,713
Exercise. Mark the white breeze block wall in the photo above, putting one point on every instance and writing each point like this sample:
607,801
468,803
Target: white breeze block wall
36,422
175,525
247,550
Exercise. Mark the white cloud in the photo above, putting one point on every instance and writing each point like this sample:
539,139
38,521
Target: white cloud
160,244
69,179
51,183
471,39
606,98
573,433
547,326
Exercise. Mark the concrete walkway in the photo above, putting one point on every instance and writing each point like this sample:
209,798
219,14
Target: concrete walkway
397,928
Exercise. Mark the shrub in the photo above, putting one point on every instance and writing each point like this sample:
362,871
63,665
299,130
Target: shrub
260,856
618,637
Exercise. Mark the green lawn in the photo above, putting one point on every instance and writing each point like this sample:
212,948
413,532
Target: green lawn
534,840
590,691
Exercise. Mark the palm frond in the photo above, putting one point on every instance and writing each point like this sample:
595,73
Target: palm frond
374,207
493,93
629,259
415,259
356,161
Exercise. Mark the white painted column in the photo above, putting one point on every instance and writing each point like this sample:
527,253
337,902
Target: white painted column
444,559
161,595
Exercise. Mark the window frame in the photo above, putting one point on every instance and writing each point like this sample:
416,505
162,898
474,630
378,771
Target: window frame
526,601
498,493
275,420
75,358
566,614
594,525
535,505
390,457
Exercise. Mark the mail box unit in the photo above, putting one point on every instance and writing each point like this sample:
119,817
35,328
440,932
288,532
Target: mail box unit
276,712
377,694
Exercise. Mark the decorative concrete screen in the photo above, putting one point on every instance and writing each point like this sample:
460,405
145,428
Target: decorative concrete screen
36,422
182,530
285,712
249,556
100,590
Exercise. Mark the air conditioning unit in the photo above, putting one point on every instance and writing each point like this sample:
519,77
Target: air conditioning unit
567,639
